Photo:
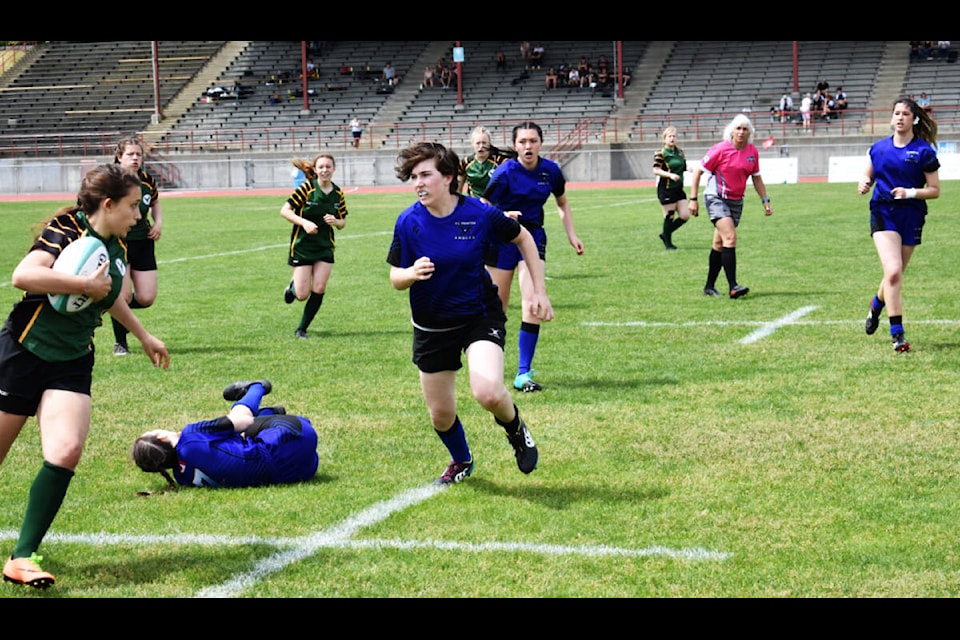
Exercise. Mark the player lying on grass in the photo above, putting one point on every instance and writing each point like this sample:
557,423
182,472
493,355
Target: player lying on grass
251,446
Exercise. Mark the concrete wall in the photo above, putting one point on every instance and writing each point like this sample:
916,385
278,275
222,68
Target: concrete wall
596,163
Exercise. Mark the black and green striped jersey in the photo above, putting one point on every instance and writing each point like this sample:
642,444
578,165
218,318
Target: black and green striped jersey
49,334
310,202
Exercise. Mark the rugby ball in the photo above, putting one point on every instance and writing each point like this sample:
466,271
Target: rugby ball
80,258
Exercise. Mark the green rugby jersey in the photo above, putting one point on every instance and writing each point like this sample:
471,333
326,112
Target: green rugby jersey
310,202
49,334
148,195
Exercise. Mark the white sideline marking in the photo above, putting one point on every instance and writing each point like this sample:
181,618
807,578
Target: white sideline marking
296,549
770,327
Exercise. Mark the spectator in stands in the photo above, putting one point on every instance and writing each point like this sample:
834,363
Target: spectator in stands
589,79
903,171
669,165
521,187
140,280
389,74
356,129
915,51
926,49
536,57
446,76
427,77
476,168
603,77
316,209
817,101
573,78
603,64
582,66
729,163
924,102
829,106
501,61
550,78
525,50
806,108
943,49
626,75
840,99
786,106
823,86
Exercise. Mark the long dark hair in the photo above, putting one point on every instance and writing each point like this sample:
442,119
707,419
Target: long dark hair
102,182
924,126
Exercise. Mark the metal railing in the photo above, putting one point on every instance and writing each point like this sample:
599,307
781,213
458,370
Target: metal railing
560,133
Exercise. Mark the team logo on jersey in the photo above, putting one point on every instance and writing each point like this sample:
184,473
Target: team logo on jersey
121,266
146,199
465,229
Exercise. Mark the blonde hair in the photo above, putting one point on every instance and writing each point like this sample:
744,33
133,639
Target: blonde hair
667,132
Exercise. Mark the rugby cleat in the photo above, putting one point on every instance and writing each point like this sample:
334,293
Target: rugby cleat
27,571
456,472
237,390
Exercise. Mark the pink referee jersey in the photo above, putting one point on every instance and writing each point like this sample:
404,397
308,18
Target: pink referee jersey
729,169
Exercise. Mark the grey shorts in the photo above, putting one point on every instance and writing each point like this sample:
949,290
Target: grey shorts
718,207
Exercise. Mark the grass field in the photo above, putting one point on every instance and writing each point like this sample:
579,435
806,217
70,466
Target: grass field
690,447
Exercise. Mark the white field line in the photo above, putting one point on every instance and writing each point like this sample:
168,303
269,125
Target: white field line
292,550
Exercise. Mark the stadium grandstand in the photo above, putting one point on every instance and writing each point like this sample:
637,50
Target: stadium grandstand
262,98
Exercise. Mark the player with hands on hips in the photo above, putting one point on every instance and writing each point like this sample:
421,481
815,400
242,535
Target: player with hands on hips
437,254
903,171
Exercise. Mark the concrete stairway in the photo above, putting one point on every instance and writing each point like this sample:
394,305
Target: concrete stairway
890,77
645,76
207,76
406,92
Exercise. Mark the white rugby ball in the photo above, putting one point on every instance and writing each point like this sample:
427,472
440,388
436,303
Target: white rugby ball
80,258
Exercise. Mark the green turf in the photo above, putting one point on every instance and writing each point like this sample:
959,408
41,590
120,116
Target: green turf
684,452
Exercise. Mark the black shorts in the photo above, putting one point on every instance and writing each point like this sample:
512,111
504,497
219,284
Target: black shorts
669,196
141,254
435,351
24,377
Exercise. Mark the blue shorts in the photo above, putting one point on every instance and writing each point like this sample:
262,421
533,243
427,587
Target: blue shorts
292,445
908,223
506,255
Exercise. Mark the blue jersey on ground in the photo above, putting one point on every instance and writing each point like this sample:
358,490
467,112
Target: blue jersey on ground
512,187
460,288
211,454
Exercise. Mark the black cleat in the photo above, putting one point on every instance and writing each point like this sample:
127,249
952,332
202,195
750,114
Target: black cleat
524,448
739,291
237,390
900,344
288,295
872,323
711,291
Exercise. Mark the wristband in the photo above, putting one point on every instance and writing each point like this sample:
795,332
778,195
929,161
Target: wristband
764,200
911,193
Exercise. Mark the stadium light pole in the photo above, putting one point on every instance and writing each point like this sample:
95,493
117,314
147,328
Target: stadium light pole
303,75
157,113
